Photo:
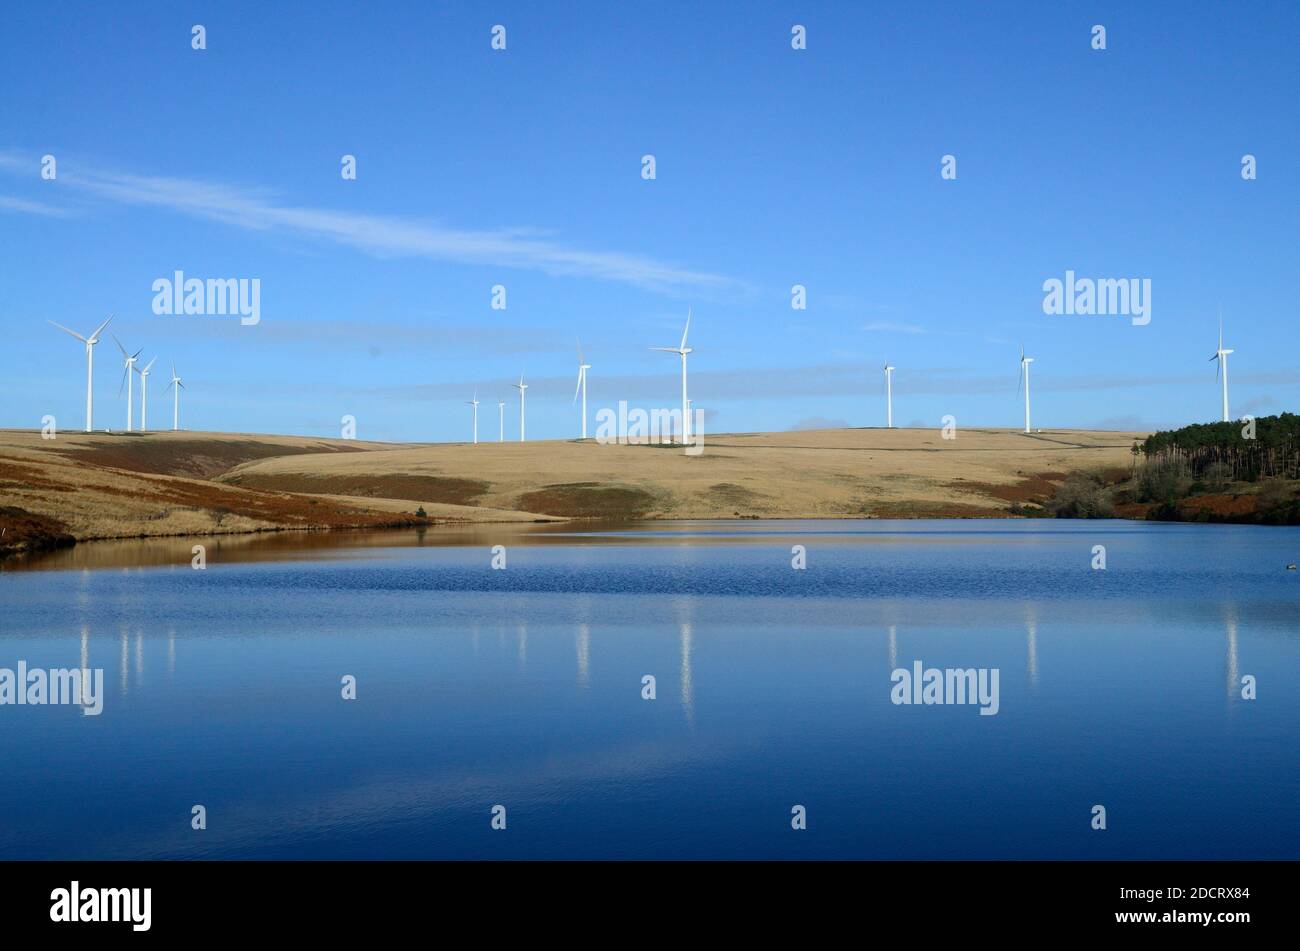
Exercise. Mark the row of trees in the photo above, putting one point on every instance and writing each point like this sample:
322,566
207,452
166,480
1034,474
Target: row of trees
1268,447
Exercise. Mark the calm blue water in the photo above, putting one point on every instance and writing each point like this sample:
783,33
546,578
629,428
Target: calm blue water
523,687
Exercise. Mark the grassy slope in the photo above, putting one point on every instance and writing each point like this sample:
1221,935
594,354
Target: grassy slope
127,485
818,474
112,486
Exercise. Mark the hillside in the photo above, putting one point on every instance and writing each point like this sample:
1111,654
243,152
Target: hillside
84,486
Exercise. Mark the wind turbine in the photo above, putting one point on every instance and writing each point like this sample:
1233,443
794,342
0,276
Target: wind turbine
474,403
682,351
521,386
501,420
128,363
144,389
1222,369
889,396
1024,379
582,385
90,342
177,386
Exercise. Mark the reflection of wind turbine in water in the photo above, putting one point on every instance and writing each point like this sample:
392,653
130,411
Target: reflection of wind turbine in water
85,663
523,647
688,687
1031,643
583,646
893,647
1234,672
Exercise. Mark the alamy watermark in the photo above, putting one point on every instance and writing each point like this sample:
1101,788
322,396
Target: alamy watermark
215,297
59,685
951,685
640,427
1102,297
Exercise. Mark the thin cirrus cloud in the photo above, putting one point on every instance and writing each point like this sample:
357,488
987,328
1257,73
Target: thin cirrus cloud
893,327
819,380
377,235
9,203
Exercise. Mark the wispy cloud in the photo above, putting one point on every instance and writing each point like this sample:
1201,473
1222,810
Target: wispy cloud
896,327
8,203
888,327
381,235
828,379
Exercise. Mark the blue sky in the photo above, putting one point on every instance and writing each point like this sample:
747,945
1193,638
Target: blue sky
775,167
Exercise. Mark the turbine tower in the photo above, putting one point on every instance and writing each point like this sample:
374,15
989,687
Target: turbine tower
889,396
501,420
144,389
474,403
682,351
177,386
1024,380
582,385
1222,369
90,342
521,386
128,364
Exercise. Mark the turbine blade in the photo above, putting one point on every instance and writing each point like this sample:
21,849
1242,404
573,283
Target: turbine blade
122,386
148,365
67,331
119,345
577,388
687,330
95,333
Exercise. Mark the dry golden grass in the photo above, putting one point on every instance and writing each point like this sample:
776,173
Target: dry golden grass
815,474
122,486
157,484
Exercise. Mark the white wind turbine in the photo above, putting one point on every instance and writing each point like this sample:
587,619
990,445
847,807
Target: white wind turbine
1222,369
501,420
1024,380
889,396
128,364
144,391
521,386
176,385
90,342
474,403
582,385
682,351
